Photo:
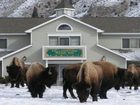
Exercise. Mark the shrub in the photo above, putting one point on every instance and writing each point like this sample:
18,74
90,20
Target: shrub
4,80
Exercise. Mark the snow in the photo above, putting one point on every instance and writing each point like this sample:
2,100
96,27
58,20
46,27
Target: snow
53,96
133,55
133,11
24,8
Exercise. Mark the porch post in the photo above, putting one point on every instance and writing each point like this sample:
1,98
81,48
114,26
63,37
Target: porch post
46,63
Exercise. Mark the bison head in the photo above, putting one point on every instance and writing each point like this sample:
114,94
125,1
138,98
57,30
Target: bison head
13,71
49,76
83,91
129,77
120,78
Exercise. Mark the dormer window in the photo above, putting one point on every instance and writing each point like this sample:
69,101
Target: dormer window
64,27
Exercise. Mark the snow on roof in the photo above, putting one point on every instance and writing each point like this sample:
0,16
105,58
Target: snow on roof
134,55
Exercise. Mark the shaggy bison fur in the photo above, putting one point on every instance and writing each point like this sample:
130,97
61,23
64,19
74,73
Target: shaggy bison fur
69,78
109,77
120,78
133,76
17,72
38,76
113,77
89,80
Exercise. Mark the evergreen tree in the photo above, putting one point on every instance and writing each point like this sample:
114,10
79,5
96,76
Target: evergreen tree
35,13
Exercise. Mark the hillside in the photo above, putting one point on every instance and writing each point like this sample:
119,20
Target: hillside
96,8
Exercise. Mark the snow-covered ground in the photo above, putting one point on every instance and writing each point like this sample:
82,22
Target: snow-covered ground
53,96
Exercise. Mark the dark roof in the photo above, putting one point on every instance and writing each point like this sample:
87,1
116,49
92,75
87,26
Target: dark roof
19,25
108,24
65,4
115,24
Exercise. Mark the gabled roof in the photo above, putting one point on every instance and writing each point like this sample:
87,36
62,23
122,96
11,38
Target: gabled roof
115,24
108,24
65,4
76,20
19,25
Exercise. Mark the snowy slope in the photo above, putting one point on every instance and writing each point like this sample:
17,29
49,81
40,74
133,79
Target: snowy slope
53,96
24,8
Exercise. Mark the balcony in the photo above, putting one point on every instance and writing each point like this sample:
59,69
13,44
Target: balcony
64,53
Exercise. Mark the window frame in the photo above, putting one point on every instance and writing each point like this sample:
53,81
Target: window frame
57,29
130,42
6,43
59,42
58,37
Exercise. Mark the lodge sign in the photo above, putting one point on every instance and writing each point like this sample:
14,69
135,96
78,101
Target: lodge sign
64,53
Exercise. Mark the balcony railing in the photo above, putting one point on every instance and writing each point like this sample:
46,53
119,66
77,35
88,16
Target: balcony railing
64,53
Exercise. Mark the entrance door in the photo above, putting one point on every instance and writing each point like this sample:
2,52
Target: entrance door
60,76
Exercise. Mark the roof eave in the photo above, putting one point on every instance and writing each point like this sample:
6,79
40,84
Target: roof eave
111,51
98,30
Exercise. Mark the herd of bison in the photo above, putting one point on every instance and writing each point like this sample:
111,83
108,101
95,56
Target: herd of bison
88,78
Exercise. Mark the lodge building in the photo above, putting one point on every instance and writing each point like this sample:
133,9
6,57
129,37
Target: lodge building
65,39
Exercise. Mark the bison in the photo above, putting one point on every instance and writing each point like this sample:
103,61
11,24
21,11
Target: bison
133,76
17,72
89,80
38,76
120,78
69,78
109,77
115,75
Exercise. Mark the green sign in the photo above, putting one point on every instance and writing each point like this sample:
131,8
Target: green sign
64,52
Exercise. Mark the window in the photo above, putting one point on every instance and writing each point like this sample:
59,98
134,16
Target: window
64,27
3,43
64,41
59,40
75,40
125,43
131,43
53,41
134,43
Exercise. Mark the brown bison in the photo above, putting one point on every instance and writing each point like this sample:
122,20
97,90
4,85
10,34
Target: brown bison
109,77
89,80
38,76
117,77
120,78
69,78
17,72
133,76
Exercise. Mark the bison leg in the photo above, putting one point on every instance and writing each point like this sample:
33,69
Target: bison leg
12,84
65,90
40,90
103,93
71,92
17,85
40,95
22,83
130,87
136,84
33,94
93,93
